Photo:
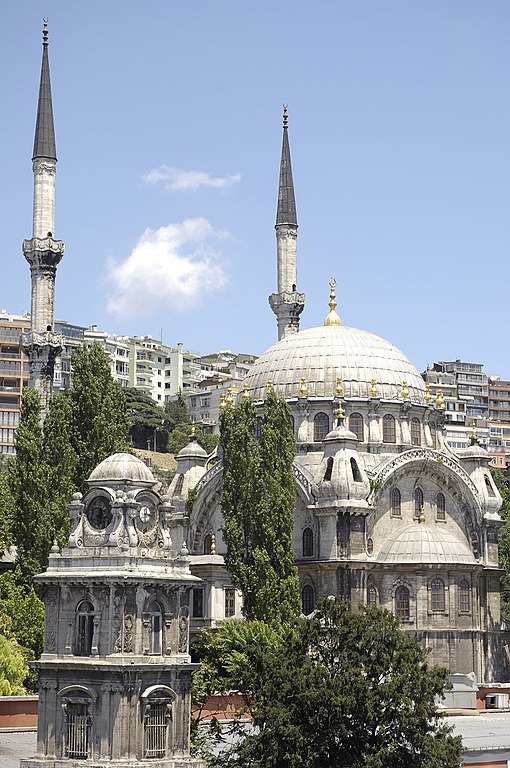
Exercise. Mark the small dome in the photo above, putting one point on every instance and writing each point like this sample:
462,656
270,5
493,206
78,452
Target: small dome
192,450
122,467
422,543
321,355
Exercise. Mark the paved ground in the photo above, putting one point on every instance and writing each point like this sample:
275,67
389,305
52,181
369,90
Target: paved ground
14,746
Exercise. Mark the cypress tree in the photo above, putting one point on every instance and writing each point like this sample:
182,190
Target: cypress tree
258,506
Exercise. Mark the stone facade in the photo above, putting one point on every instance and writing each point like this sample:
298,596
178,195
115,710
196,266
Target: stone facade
115,674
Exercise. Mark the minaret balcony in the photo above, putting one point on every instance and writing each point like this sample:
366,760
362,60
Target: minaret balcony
43,251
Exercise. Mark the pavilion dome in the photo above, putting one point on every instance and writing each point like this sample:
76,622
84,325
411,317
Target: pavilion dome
122,467
321,355
421,543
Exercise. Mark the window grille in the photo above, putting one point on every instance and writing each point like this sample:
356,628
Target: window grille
155,729
307,542
372,596
198,603
415,431
464,598
437,596
308,599
230,603
440,507
389,429
356,425
418,502
178,485
402,603
84,628
396,499
78,732
320,427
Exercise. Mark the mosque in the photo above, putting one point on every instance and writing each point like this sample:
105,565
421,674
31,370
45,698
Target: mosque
386,514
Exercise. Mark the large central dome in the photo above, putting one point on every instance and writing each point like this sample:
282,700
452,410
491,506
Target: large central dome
320,355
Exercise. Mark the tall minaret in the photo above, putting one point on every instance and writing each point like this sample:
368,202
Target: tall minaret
42,251
287,304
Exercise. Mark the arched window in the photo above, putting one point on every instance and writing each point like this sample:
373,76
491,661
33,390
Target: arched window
396,502
440,507
389,430
155,629
178,485
258,427
307,542
308,599
320,427
356,474
371,596
157,718
329,469
464,597
78,726
207,544
433,434
490,489
84,628
402,603
437,596
356,425
418,502
415,431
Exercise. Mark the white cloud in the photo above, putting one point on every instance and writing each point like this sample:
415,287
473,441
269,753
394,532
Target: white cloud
169,267
178,179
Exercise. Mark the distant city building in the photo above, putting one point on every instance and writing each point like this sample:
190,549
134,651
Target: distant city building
499,422
161,371
14,373
465,388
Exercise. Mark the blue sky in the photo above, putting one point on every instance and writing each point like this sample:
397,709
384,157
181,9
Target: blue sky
168,124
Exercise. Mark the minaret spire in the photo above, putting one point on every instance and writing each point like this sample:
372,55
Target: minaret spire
42,251
287,304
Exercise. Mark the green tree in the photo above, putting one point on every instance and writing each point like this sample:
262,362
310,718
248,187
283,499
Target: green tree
13,668
176,412
345,689
100,418
258,506
180,436
502,481
147,419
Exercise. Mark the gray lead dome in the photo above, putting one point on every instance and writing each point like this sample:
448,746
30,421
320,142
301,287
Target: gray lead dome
320,355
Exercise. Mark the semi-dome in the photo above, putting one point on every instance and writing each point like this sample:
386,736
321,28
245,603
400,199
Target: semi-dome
421,543
320,355
122,467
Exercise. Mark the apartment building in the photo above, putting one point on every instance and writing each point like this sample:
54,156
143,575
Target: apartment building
14,374
160,370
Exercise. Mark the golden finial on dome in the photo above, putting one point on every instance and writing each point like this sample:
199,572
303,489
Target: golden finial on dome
440,400
303,388
332,318
427,396
404,392
193,430
270,387
213,544
246,394
229,399
373,388
473,432
223,402
421,518
340,413
339,389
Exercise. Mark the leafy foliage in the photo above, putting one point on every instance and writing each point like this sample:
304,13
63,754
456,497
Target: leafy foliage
147,419
100,419
179,437
258,505
13,667
502,481
344,688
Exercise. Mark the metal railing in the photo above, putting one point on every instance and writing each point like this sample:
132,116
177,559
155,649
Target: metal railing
156,723
79,731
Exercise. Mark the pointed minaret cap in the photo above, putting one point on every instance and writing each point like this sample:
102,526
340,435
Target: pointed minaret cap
44,142
286,212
